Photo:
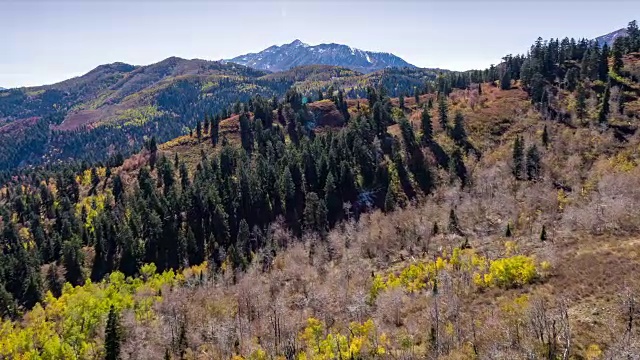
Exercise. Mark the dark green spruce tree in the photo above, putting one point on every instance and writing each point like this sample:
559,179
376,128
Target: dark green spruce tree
443,112
545,136
458,134
246,133
215,130
505,80
533,163
426,127
518,158
603,112
113,336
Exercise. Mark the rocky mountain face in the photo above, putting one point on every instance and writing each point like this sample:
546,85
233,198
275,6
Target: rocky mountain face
297,53
611,37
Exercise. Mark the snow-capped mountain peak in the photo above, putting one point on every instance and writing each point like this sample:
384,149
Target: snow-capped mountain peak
298,53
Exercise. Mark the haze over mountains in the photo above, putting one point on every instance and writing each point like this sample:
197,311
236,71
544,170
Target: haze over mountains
297,53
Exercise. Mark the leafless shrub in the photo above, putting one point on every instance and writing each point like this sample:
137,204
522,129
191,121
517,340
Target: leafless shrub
608,207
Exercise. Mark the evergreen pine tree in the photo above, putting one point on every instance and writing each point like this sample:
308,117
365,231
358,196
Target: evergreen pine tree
7,303
617,55
182,344
408,136
505,80
457,166
54,282
508,232
153,145
401,102
434,229
571,79
153,151
458,134
603,63
199,130
633,35
454,227
426,127
545,136
390,198
533,163
95,179
242,246
443,112
518,158
185,182
113,336
315,214
332,199
246,133
604,105
118,188
73,259
543,234
215,130
584,66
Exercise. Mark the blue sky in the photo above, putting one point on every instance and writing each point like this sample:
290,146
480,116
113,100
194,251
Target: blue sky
43,42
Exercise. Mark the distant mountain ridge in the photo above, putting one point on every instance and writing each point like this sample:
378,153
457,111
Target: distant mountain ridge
115,107
279,58
611,37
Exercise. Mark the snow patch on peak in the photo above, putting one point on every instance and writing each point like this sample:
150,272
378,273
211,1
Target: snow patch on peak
297,53
297,42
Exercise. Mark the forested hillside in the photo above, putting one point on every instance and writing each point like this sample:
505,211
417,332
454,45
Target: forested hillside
485,214
114,108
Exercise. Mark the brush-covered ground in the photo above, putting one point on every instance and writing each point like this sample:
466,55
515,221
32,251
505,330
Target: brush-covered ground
500,268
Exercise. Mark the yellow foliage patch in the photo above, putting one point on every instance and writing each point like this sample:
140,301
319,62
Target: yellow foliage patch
511,271
361,341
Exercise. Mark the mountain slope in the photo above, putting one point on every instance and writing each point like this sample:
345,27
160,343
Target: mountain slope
611,37
112,108
384,265
297,53
112,84
453,243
